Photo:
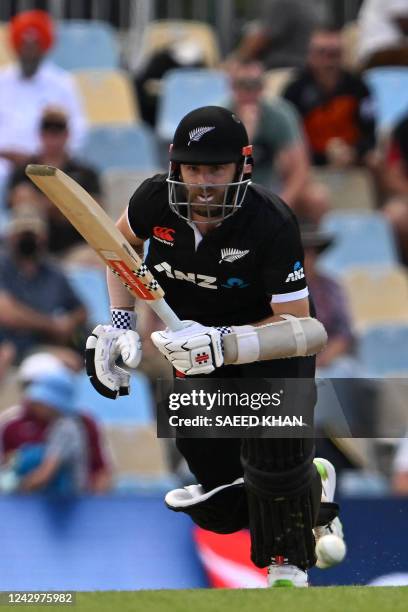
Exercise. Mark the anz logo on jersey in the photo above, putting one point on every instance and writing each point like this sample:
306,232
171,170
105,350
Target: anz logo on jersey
297,273
201,280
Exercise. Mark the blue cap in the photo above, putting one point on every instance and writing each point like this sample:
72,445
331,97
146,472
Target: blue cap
56,390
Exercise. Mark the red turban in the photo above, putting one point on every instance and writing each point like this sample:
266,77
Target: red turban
29,25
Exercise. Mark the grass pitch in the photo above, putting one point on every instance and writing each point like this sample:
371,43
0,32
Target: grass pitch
325,599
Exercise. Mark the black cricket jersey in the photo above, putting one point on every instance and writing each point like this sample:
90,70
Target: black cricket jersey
233,274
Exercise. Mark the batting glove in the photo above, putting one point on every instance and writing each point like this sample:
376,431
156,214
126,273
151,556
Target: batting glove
104,346
193,350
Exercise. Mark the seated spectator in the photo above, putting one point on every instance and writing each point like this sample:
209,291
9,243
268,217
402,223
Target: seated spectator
335,105
37,303
395,181
23,427
383,29
54,137
280,157
280,37
335,360
58,463
29,86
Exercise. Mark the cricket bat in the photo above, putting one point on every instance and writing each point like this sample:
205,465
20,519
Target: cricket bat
104,237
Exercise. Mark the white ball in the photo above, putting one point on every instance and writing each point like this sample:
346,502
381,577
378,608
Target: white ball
330,550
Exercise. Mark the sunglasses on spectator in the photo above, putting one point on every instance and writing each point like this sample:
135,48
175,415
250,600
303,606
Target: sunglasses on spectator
327,51
248,84
53,126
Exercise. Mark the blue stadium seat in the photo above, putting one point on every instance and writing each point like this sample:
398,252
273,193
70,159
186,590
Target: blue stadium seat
361,238
134,409
185,89
85,44
90,284
390,90
383,350
121,148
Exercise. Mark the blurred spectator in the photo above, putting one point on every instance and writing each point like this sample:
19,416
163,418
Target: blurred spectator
180,54
280,156
58,463
400,468
395,181
29,86
336,106
281,35
37,304
383,29
331,307
23,426
54,137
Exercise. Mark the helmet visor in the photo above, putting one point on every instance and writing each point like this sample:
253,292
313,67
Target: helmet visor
205,203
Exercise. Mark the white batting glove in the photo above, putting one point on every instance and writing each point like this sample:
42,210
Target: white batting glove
196,349
104,346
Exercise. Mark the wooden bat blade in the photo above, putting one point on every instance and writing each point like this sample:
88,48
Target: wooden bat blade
97,228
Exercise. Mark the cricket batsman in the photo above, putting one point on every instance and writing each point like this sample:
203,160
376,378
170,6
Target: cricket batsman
228,254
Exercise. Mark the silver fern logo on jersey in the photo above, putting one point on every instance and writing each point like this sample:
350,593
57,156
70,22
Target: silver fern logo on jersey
197,134
231,255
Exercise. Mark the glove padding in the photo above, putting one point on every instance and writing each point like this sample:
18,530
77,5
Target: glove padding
103,348
193,350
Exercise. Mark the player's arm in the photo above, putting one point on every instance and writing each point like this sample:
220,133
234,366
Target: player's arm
119,339
288,332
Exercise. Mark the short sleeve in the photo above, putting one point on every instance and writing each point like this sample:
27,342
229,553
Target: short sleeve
141,211
62,440
287,124
282,269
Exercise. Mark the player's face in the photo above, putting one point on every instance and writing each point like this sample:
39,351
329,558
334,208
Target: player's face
206,186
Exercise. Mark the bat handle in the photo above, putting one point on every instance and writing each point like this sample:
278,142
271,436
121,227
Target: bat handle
166,314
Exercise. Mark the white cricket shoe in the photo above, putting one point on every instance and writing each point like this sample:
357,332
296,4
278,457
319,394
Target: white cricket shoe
330,545
286,575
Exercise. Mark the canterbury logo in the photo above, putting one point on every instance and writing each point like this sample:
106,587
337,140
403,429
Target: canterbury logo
198,133
164,234
231,255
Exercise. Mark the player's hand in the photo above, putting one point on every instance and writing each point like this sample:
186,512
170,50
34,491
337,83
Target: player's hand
103,347
196,349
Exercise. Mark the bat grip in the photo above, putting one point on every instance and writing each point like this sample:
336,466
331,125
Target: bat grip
166,314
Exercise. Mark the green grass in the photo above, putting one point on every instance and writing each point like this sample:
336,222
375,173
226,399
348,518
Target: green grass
317,599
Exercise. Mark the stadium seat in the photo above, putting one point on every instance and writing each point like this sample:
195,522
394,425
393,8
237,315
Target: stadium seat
377,295
349,189
361,238
119,185
390,89
275,81
108,97
81,45
161,34
135,409
6,54
90,284
136,451
383,350
125,148
185,89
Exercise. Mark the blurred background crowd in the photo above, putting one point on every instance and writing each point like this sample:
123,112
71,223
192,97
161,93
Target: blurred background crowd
97,89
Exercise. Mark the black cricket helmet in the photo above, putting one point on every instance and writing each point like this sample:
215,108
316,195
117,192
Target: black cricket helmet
209,135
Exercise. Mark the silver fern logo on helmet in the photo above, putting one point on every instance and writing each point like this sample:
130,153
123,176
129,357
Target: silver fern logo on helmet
231,255
198,133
